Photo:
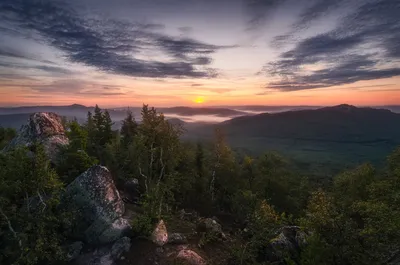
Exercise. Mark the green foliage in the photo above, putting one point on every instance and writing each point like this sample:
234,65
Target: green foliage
143,225
128,129
73,159
6,135
99,131
30,226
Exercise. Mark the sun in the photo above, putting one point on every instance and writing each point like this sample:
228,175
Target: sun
199,100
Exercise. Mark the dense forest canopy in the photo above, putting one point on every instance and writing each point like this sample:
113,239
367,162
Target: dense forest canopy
353,218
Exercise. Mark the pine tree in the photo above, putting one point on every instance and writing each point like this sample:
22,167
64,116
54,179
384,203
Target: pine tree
90,147
128,129
106,133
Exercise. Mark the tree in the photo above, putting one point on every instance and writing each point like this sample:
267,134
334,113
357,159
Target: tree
128,129
223,170
30,225
158,144
73,159
77,136
6,135
107,133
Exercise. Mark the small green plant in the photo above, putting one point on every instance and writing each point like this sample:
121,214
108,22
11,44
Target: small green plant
142,225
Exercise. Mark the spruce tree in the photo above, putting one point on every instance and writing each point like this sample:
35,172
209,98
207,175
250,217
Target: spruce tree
128,129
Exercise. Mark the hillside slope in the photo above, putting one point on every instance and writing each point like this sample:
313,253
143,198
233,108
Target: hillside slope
332,136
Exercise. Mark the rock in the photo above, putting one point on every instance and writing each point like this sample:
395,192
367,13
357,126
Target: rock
160,234
116,230
45,128
120,246
189,257
132,190
288,241
74,250
97,205
210,226
100,256
177,238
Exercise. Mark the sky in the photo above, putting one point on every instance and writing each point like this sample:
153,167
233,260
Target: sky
199,52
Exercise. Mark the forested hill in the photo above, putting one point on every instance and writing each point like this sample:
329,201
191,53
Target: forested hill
321,140
343,123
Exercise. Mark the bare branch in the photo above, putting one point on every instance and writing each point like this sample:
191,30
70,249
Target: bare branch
28,203
11,228
151,159
161,171
145,179
41,200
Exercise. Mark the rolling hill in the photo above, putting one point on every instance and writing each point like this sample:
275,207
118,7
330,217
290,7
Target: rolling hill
325,138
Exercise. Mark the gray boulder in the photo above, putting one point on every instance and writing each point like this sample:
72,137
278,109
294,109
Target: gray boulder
45,128
117,229
97,205
121,246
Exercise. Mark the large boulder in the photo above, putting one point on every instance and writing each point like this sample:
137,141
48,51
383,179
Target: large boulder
121,246
97,205
44,128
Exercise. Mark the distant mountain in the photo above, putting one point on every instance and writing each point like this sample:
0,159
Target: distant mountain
117,114
14,120
343,123
31,109
329,136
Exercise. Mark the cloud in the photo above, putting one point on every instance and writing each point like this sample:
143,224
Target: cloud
260,10
112,46
365,45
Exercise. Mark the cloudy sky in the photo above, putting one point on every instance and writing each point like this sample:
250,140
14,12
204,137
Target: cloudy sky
219,52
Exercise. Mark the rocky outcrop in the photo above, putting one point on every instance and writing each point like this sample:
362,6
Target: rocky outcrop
210,227
44,128
97,205
189,257
160,234
288,242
